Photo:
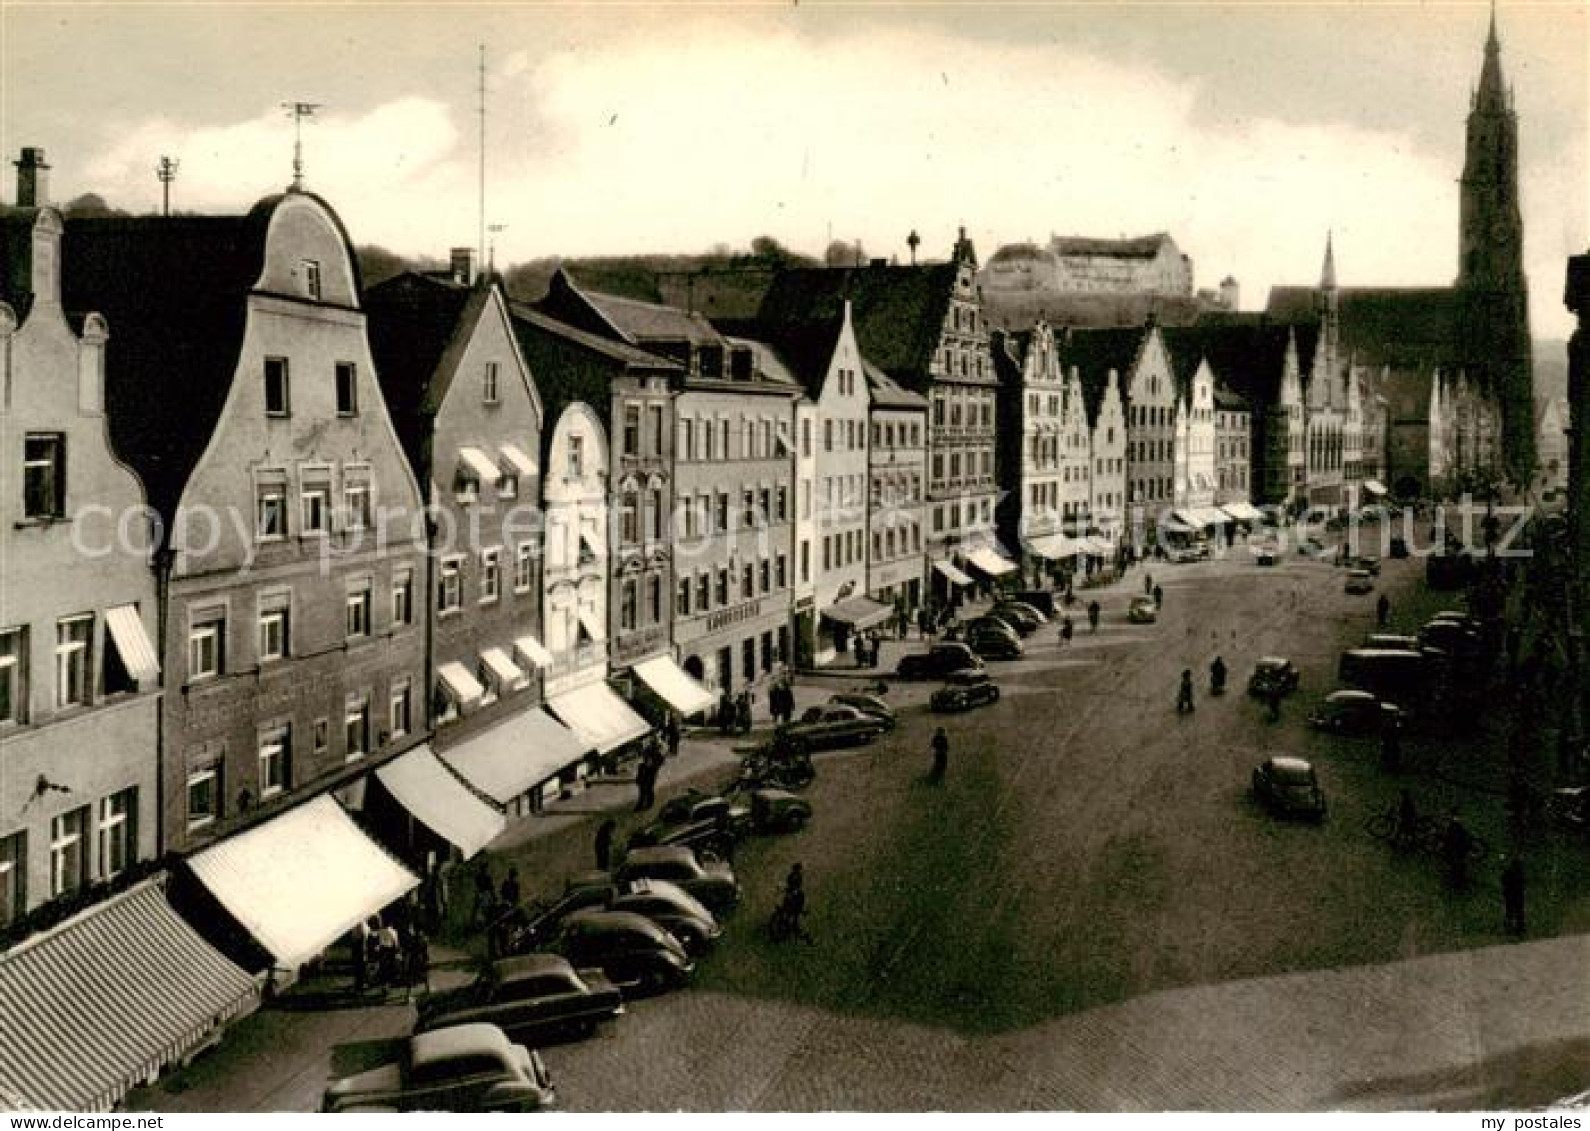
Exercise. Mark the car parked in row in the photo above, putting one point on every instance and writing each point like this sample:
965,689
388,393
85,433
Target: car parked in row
1037,616
1142,610
869,704
995,645
711,881
1272,674
824,728
533,998
633,951
1350,711
1288,787
461,1068
964,690
1359,581
937,662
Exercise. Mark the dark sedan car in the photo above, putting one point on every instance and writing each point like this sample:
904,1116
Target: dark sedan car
823,728
867,704
1288,787
995,645
1272,673
633,951
533,998
710,881
462,1068
940,660
963,691
1349,711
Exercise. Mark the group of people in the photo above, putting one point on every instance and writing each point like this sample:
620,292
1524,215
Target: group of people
734,712
781,701
391,952
866,647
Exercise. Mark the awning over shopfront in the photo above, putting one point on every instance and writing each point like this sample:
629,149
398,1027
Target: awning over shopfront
592,625
1056,547
1243,512
516,458
1174,525
480,464
859,612
442,803
598,717
92,1008
137,650
1098,547
516,755
300,880
1375,487
504,670
533,652
1211,516
463,687
674,685
989,561
952,575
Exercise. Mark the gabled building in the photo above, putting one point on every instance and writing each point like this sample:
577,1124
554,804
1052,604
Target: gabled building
79,672
1233,447
1031,456
896,480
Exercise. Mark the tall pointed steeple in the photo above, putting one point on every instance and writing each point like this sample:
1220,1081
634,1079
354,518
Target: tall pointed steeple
1491,93
1327,273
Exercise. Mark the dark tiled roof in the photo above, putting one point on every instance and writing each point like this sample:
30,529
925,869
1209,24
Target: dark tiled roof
772,367
1093,352
898,312
1403,327
717,293
16,282
1139,247
806,348
1185,346
1246,353
887,394
173,291
620,353
649,321
1228,400
1016,309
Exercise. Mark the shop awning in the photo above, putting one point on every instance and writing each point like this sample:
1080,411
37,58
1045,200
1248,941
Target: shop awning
442,803
674,685
1056,547
859,612
1243,512
1098,547
953,575
989,562
516,754
483,466
507,673
533,652
592,625
1375,487
93,1007
461,685
516,458
137,650
598,717
1171,525
300,880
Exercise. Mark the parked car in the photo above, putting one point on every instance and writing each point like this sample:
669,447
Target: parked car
710,881
1366,562
990,625
1017,604
634,952
779,810
532,998
823,728
1042,600
1458,617
995,646
963,691
938,661
1021,617
1288,787
461,1068
1192,552
1451,637
670,906
1311,547
696,805
1142,610
1273,673
1359,581
1019,623
770,810
869,704
705,823
1267,554
1350,711
1392,641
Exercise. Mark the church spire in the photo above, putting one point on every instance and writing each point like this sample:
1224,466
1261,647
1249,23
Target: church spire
1327,273
1492,94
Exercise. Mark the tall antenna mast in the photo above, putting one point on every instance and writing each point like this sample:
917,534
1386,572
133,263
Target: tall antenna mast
298,111
482,243
167,172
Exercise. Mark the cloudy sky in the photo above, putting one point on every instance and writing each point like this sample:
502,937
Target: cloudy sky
1246,130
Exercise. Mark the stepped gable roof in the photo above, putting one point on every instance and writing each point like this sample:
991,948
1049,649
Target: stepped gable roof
174,292
898,312
886,393
1400,327
1138,247
1096,351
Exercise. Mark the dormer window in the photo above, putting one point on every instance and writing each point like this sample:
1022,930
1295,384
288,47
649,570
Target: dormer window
311,270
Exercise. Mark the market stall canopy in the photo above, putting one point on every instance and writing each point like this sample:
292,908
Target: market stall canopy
674,685
953,575
96,1006
516,754
440,801
300,880
989,561
598,717
859,612
1056,547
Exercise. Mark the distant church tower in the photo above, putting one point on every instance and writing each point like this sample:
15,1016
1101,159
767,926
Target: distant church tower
1493,295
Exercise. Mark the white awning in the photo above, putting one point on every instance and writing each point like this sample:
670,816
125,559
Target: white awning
300,880
1056,547
1210,516
516,458
1375,487
484,467
592,626
507,673
515,755
674,684
441,802
989,561
955,576
598,717
1173,525
1097,547
1243,512
137,650
465,689
533,652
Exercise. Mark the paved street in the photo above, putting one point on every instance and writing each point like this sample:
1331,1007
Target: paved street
1091,914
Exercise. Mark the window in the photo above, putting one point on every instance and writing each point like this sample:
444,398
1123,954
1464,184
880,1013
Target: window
806,562
628,518
277,390
273,633
488,383
311,270
347,388
653,599
68,860
709,441
828,435
320,736
723,511
782,500
449,585
765,572
806,438
632,430
356,506
356,727
402,598
723,587
74,639
275,749
204,794
703,598
687,440
13,675
576,457
207,647
358,610
401,716
524,567
44,476
508,485
118,832
682,598
313,507
627,606
490,575
782,573
13,878
270,511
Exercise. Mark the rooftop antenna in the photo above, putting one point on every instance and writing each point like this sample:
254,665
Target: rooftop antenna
482,73
491,248
298,111
166,171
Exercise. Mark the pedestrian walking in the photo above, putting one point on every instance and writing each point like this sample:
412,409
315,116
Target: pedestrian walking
359,954
1273,698
1513,896
941,755
1148,585
417,960
1066,629
1093,616
672,733
645,783
1159,596
604,844
510,890
742,712
1184,694
485,905
1383,610
726,712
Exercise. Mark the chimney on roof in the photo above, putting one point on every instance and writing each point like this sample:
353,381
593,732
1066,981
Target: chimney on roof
33,179
462,268
1230,293
878,262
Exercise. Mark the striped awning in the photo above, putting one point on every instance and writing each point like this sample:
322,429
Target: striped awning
989,561
1243,512
664,676
516,754
101,1003
440,801
300,880
137,650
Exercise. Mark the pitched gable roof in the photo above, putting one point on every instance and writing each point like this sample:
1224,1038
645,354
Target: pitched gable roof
806,349
886,393
1094,352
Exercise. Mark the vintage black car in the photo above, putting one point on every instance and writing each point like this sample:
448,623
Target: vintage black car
1351,711
778,810
632,950
710,881
868,704
462,1068
1288,787
937,662
964,690
1273,673
533,998
995,645
824,728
